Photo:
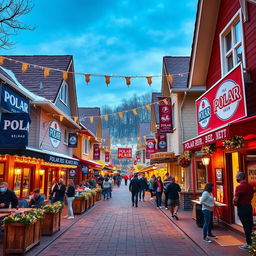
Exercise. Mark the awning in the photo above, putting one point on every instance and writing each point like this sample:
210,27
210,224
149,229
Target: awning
46,155
244,127
92,164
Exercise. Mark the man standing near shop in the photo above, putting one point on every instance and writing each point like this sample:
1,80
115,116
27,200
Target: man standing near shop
166,182
7,196
134,188
143,187
242,199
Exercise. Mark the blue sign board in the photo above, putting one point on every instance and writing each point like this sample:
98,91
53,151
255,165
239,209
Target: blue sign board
14,128
85,169
12,101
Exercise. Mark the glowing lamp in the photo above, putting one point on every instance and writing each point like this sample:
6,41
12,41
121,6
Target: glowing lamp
41,172
62,172
206,160
17,171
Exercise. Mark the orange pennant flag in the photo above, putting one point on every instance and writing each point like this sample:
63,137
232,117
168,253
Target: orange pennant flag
148,107
107,80
120,114
149,78
170,79
87,78
106,118
128,80
165,101
134,111
24,67
64,75
1,60
46,72
91,119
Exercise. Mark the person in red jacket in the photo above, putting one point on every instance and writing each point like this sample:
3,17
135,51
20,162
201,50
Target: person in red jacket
126,179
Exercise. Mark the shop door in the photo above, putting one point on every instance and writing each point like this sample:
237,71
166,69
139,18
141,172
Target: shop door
52,175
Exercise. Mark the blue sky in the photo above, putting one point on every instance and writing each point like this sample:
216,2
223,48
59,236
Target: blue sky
123,37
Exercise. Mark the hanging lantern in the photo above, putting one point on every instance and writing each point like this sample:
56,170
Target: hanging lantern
128,80
106,118
2,60
134,111
24,67
65,75
120,114
91,119
87,78
148,107
149,78
170,79
107,80
46,72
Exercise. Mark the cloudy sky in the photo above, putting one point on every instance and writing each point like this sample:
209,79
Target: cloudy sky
122,37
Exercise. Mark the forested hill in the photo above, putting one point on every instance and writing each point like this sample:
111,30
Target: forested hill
128,126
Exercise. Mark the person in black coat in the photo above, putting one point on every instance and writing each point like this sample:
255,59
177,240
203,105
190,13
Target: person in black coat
59,191
134,188
7,196
37,200
143,187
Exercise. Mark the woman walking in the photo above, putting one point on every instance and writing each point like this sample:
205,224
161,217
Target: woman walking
207,203
70,198
159,187
151,186
106,188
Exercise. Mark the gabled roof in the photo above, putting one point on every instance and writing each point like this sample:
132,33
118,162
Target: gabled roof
83,112
177,65
144,130
106,137
155,96
34,76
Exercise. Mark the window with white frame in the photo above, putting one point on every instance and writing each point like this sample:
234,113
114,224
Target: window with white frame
86,146
64,93
231,39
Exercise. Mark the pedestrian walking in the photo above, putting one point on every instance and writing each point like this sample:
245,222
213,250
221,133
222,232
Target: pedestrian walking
106,188
166,182
118,180
100,181
172,191
134,188
159,187
242,199
111,186
143,187
208,204
126,179
151,186
70,198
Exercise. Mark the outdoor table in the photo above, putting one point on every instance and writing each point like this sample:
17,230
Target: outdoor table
10,210
2,215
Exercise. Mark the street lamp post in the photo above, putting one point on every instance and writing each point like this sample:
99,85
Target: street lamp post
206,161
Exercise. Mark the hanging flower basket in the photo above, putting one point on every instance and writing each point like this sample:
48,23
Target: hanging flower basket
208,149
184,159
235,142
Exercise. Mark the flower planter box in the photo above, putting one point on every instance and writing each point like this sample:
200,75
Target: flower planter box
79,205
91,201
98,196
94,198
51,223
86,204
19,238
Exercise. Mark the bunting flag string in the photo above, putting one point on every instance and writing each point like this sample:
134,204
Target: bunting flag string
47,70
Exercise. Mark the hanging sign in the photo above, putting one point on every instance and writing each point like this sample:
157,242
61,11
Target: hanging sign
107,157
55,134
14,129
165,115
96,152
138,155
85,169
72,140
12,101
223,103
124,153
150,147
161,142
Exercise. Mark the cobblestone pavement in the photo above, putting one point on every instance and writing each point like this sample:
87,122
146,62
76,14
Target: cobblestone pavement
114,227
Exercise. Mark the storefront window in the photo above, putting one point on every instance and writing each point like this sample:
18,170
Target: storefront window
22,181
178,173
26,182
17,181
52,174
201,177
41,180
1,172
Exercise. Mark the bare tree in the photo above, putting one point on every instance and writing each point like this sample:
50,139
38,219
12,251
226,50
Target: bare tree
10,24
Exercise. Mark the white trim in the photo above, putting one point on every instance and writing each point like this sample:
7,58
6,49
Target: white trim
87,146
237,17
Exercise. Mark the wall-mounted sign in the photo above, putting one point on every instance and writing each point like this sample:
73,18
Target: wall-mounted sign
107,157
150,147
161,142
14,129
13,101
85,169
165,116
60,160
72,173
72,140
96,152
55,134
138,155
223,103
124,153
219,175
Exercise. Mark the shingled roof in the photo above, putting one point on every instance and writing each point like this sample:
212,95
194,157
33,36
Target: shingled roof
177,65
155,96
34,76
83,111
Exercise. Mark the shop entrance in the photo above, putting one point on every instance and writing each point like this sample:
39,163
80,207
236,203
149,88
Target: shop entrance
52,175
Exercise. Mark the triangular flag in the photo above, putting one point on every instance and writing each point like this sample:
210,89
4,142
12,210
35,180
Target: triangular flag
106,118
64,75
61,118
120,114
46,72
24,67
107,80
134,111
2,60
91,119
148,107
87,78
165,101
128,80
170,79
144,137
41,86
75,119
149,78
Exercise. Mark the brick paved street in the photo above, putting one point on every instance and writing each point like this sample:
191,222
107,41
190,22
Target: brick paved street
115,228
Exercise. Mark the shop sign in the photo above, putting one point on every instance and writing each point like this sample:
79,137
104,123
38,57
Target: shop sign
85,169
161,142
107,157
223,103
219,175
150,147
96,152
72,140
55,134
60,160
165,116
14,129
211,137
138,156
124,153
72,173
12,101
162,155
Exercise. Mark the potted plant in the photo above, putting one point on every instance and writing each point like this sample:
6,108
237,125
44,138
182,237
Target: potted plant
98,193
79,204
94,194
208,149
235,142
51,222
22,231
184,159
86,197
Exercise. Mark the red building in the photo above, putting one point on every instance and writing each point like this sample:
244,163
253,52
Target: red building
223,59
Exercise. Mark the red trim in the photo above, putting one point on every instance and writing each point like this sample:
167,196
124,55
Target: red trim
91,164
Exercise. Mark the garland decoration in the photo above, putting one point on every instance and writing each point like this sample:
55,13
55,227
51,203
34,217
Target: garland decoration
208,149
184,159
235,142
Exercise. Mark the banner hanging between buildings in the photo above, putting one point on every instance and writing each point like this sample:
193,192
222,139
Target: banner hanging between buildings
223,103
96,152
161,142
124,153
150,147
165,115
